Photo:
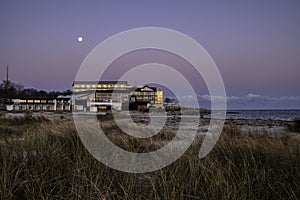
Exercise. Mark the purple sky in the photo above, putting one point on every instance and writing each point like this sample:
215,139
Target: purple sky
255,44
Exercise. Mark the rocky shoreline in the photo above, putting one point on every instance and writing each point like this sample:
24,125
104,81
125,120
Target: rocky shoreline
173,120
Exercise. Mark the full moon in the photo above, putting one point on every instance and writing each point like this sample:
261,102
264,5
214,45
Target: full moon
80,39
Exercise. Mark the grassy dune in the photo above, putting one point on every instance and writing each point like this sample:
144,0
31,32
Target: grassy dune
43,159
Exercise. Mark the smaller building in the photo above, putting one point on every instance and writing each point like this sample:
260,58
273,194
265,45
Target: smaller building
142,98
39,104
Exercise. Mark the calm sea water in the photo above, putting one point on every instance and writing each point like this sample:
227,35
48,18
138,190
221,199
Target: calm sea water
286,115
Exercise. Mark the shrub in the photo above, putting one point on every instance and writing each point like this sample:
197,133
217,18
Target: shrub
295,126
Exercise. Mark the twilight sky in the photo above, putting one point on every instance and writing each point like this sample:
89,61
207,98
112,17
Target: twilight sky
255,44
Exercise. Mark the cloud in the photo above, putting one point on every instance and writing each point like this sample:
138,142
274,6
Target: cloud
249,101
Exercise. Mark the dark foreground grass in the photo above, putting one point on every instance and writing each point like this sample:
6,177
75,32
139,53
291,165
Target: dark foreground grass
48,161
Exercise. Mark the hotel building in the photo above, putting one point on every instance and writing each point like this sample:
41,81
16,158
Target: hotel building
119,95
96,96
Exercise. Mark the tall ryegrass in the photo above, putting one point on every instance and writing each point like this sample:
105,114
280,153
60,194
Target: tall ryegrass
48,161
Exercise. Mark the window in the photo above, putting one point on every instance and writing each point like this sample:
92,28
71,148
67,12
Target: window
102,107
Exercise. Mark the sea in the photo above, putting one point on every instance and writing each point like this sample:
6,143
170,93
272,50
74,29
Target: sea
283,115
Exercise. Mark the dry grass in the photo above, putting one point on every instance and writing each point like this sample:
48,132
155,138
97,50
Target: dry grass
46,160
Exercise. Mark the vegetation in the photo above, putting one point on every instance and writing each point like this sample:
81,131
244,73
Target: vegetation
46,160
12,90
294,126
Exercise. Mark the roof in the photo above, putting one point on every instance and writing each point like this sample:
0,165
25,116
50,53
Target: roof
145,88
35,98
100,82
87,92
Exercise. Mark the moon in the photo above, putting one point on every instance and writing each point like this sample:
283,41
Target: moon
79,38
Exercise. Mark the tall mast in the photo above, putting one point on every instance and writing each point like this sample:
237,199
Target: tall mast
7,74
6,86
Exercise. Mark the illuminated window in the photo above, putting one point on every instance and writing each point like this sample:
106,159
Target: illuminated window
93,86
29,101
82,86
43,101
37,101
102,107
